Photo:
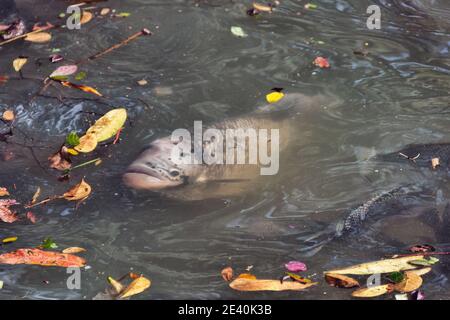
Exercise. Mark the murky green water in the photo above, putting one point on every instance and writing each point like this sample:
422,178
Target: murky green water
197,70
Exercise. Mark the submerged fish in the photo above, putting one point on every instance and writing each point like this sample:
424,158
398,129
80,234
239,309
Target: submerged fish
156,169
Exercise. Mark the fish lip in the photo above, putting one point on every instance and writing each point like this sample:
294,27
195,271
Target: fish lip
142,177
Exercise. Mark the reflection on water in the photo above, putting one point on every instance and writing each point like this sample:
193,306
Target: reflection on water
197,70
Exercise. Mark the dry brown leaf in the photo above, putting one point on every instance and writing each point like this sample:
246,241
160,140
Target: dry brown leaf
81,87
381,266
227,274
410,282
242,284
374,291
4,192
340,281
39,37
78,192
135,287
86,17
31,217
60,160
434,163
73,250
6,214
8,115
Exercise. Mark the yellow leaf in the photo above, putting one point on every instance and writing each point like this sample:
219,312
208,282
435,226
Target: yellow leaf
274,97
36,195
340,281
108,125
72,151
371,292
73,250
3,192
9,239
86,17
8,115
39,37
410,282
78,192
242,284
117,286
381,266
104,11
19,63
262,7
87,143
135,287
419,272
248,276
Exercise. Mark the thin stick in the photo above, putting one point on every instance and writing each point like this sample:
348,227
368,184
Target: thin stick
143,32
422,254
28,206
82,165
26,34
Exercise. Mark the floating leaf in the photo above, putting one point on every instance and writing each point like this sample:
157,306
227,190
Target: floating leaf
142,82
56,58
374,291
247,276
48,243
340,281
321,62
104,11
123,14
8,115
78,192
18,63
227,274
396,277
419,272
73,139
242,284
4,192
402,296
423,262
238,32
41,257
310,6
39,37
73,250
80,76
86,17
6,215
64,71
298,278
108,125
434,163
295,266
31,217
60,160
9,240
135,287
87,143
116,285
262,7
410,283
381,266
274,96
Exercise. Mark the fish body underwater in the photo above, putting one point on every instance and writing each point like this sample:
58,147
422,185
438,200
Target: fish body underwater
156,170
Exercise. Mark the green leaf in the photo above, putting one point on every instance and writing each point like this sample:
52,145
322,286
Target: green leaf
80,76
433,260
60,78
72,139
123,14
48,243
238,32
396,277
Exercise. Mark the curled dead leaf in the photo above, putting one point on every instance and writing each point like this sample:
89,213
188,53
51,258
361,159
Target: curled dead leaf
340,281
78,192
135,287
243,284
116,285
227,274
18,63
86,17
60,160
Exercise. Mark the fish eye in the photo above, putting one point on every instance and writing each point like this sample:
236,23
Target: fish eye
174,173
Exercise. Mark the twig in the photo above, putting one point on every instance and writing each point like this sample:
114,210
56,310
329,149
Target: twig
143,32
81,165
28,206
422,254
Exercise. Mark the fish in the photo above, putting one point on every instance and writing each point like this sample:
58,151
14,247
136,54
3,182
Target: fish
157,170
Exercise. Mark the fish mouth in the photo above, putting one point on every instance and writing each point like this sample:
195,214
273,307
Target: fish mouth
142,177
